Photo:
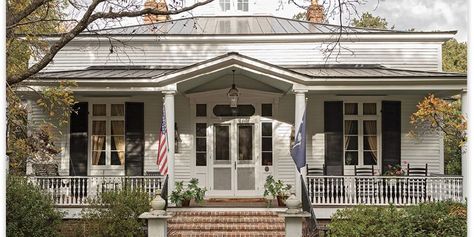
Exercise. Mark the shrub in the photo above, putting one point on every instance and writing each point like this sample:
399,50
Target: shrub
116,213
366,221
441,219
30,212
436,219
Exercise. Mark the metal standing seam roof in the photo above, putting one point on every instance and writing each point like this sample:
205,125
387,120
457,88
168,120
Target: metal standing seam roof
323,71
233,25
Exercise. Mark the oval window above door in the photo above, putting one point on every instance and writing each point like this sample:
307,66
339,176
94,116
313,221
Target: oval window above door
227,111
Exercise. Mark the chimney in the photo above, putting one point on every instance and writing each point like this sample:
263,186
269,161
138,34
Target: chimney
315,12
161,6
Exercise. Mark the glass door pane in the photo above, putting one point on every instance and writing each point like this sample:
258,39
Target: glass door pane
245,159
222,159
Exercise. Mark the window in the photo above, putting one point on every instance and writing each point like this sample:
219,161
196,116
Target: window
243,5
227,111
267,144
201,110
360,134
108,134
267,110
225,5
201,144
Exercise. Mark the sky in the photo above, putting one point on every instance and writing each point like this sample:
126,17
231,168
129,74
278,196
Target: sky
422,15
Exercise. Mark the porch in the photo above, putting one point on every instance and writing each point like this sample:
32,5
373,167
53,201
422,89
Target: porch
324,191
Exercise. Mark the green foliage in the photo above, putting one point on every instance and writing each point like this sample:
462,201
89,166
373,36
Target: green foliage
300,16
116,213
454,56
275,188
429,219
369,21
192,191
30,212
445,117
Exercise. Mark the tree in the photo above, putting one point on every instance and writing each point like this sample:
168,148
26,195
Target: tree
441,116
454,56
369,21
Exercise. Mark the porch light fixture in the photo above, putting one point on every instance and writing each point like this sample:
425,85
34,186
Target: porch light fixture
233,93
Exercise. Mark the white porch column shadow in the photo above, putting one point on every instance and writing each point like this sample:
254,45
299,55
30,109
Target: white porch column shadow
464,155
300,104
169,110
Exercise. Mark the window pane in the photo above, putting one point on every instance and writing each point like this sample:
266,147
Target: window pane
370,108
267,110
118,127
370,127
117,158
370,158
201,129
201,159
350,109
351,143
352,158
245,143
98,143
222,143
117,110
118,143
267,144
370,143
266,129
99,110
267,158
201,110
98,157
351,127
201,144
98,128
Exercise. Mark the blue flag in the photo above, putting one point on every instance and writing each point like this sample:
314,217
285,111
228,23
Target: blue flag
298,150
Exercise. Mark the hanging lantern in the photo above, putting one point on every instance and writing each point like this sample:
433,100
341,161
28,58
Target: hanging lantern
233,93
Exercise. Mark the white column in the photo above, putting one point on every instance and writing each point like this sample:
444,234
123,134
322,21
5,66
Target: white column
464,155
300,104
169,110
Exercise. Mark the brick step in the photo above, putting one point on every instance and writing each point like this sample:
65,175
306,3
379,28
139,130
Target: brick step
226,233
228,226
225,213
226,219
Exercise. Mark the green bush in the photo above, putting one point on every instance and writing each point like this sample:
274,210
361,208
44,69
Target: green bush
441,219
366,221
115,213
30,212
436,219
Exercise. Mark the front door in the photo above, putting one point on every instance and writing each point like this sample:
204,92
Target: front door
234,159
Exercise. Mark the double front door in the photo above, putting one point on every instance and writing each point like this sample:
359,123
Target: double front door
234,159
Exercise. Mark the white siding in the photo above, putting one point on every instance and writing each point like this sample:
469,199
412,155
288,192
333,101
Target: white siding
285,167
406,55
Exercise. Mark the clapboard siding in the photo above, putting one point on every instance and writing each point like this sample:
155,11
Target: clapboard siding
284,119
418,151
405,55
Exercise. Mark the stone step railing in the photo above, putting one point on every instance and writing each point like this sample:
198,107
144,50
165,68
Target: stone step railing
79,190
382,190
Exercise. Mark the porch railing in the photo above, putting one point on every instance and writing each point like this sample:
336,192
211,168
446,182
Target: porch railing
382,190
78,190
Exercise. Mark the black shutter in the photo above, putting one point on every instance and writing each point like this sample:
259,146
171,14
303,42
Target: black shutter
333,137
134,138
391,133
78,140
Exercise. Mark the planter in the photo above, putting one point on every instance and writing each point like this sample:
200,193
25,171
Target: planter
185,203
281,201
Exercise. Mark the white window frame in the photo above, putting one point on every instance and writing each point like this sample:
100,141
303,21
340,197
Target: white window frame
108,137
223,3
241,3
360,118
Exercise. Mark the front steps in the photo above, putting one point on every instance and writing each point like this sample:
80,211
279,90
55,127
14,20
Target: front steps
226,223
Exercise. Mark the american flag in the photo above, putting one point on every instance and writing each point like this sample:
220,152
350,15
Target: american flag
162,160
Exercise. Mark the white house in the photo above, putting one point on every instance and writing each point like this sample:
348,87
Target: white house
358,104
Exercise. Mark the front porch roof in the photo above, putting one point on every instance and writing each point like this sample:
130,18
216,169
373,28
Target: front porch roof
310,77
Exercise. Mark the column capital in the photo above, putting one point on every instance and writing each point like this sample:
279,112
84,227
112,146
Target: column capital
299,91
169,92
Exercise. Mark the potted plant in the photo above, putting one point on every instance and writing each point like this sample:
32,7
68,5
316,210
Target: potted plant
276,189
182,195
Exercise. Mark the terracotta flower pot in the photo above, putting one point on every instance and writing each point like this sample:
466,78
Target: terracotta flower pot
281,201
185,203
